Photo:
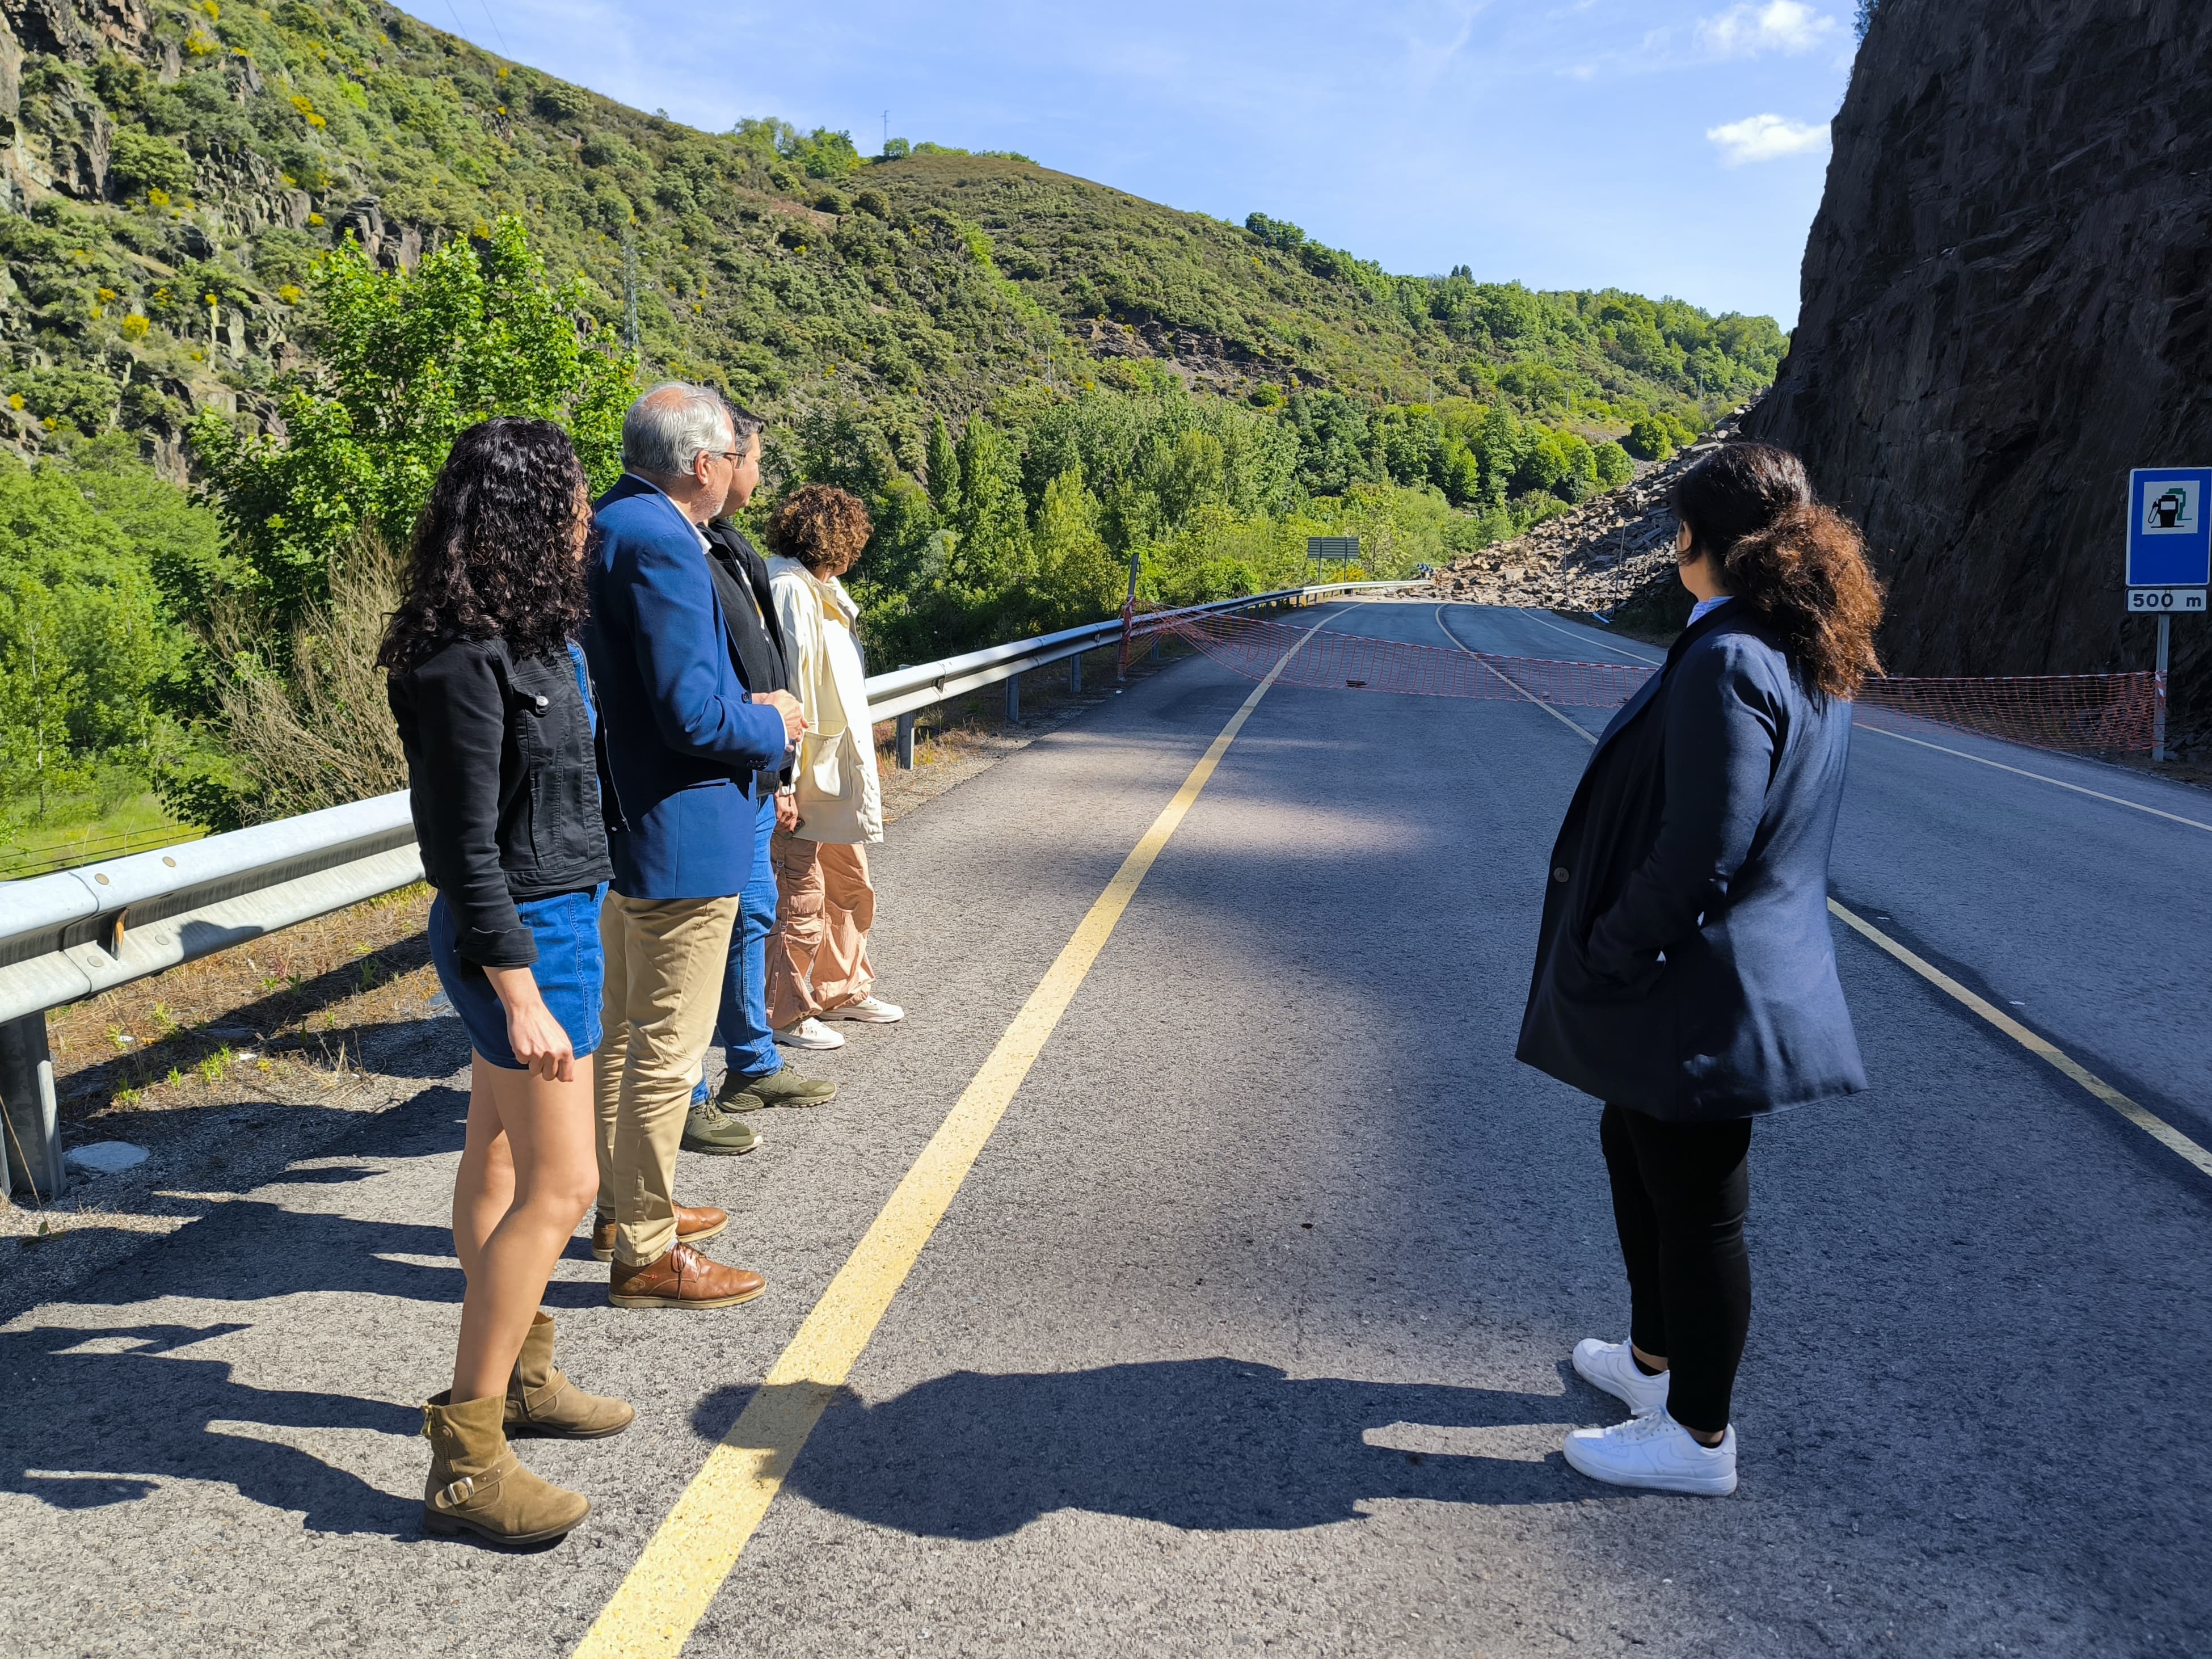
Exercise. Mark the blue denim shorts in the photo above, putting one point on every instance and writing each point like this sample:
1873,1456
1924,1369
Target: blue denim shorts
570,971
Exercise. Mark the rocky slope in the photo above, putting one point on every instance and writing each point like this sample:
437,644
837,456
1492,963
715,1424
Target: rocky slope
2005,299
1614,550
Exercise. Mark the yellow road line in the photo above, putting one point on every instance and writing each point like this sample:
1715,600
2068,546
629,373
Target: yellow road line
2021,772
1575,726
670,1588
2041,1047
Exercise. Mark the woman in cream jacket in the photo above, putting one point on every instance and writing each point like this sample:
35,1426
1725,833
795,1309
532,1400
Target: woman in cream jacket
817,956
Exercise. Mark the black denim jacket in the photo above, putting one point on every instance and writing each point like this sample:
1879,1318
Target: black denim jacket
503,782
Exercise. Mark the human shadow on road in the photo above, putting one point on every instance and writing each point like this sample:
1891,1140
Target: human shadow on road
107,1425
1210,1444
249,1248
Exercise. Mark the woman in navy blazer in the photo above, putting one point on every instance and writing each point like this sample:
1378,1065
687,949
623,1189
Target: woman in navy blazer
1685,975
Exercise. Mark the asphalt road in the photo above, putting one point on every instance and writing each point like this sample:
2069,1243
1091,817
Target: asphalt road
1248,1331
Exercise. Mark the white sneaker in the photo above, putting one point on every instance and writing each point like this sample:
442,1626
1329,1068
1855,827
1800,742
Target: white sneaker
810,1034
1611,1367
871,1010
1657,1452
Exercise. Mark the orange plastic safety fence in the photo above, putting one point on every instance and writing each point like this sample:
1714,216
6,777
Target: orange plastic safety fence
2074,712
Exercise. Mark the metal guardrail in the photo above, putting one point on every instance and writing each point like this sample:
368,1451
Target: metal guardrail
80,932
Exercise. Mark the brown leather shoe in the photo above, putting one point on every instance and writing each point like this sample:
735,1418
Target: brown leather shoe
682,1279
692,1227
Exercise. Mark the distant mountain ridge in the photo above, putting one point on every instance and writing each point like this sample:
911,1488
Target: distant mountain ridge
169,171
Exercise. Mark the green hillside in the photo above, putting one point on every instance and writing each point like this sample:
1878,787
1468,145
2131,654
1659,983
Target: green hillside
1033,379
172,153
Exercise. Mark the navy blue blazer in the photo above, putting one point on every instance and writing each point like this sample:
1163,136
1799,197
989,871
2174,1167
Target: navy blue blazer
1685,967
683,740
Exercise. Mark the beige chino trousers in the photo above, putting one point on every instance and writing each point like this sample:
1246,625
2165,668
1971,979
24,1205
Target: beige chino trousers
666,958
817,956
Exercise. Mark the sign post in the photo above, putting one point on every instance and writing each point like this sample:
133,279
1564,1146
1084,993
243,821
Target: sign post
1343,550
2169,558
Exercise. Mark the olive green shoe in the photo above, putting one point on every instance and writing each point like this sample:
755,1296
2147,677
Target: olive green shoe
781,1088
717,1132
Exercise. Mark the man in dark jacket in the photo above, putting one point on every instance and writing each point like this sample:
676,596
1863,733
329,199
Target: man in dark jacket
758,1076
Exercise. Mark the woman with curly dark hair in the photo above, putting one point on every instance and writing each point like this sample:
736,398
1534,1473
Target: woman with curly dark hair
1685,974
818,954
495,714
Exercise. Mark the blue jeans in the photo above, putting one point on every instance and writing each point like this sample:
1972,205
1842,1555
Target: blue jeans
742,1026
568,971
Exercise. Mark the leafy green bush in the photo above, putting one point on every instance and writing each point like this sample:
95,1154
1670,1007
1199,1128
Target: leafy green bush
139,162
79,399
94,666
1649,439
406,360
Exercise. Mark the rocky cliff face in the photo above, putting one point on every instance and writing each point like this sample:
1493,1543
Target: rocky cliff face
2004,309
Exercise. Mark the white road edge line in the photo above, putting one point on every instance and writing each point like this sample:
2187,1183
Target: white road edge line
2041,1047
1593,639
2017,771
1978,760
1574,727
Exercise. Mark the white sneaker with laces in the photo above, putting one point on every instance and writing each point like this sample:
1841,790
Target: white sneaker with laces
1611,1367
810,1034
1654,1451
871,1010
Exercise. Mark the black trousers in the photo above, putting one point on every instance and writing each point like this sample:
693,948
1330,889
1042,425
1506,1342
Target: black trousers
1680,1191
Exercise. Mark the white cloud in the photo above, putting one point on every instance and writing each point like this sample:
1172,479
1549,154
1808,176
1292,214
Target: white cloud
1787,26
1766,138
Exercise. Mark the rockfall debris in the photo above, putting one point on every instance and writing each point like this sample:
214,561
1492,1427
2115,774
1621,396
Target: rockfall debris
1595,558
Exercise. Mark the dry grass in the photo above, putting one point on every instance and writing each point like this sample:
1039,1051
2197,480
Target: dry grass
321,734
259,1020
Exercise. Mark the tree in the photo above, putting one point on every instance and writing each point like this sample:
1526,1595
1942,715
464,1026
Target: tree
41,688
944,466
406,361
1077,578
992,522
1649,440
91,660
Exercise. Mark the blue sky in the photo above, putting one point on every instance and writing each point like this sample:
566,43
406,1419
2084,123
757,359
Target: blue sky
1667,147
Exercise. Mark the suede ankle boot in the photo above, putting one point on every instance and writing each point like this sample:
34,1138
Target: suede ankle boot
541,1401
478,1484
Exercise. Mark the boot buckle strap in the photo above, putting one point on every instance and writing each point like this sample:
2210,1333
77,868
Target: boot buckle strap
457,1492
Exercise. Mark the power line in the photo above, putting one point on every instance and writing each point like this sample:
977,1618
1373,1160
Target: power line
495,31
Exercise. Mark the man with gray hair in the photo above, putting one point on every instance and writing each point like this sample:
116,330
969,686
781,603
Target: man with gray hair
684,743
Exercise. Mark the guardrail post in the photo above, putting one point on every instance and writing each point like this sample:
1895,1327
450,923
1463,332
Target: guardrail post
33,1134
1075,675
905,750
1013,699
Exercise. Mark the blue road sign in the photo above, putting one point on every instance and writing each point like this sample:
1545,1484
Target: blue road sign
2169,528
